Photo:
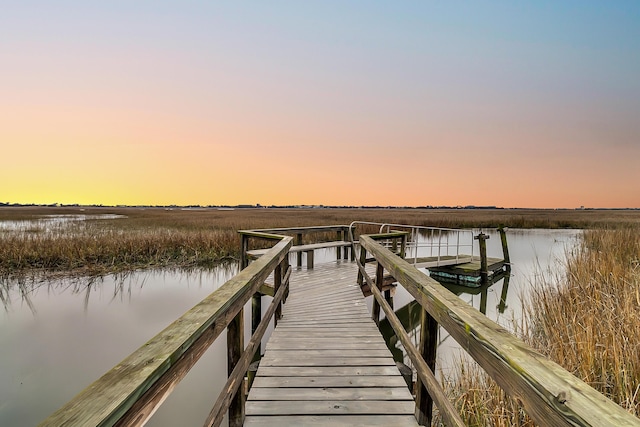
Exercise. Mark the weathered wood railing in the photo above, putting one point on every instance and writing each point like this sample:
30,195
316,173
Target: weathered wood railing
341,234
551,395
129,394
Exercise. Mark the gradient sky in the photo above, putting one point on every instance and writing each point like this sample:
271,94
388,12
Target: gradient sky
514,104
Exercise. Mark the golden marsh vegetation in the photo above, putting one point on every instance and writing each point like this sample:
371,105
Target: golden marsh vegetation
159,237
586,319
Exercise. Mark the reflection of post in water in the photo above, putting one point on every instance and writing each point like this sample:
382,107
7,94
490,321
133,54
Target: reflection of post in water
483,300
505,288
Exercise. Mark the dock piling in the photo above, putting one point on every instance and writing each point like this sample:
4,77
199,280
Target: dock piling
484,270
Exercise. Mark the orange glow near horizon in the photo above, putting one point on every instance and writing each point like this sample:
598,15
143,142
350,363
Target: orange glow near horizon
267,108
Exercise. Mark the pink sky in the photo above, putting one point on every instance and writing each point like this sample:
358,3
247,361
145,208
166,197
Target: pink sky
321,103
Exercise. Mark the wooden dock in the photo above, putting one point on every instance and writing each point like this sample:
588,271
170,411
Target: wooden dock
326,363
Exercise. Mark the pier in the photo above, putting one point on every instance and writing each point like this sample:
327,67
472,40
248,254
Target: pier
326,363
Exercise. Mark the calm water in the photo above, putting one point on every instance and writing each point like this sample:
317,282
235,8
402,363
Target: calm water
51,223
58,337
532,252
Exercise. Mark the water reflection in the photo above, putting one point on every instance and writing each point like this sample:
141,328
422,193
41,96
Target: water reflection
409,314
23,289
58,336
50,223
532,251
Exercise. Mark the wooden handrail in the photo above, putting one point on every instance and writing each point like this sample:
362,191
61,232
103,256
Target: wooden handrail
235,379
130,392
551,395
277,233
448,412
303,230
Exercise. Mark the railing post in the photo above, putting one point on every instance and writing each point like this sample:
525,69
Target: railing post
285,264
256,317
363,262
235,348
244,246
345,238
353,245
389,298
299,254
428,348
338,248
277,281
375,309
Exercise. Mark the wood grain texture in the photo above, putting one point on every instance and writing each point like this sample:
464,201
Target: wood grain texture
326,359
145,377
551,395
332,421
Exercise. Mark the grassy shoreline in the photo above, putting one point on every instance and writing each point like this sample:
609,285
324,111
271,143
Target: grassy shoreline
160,237
585,319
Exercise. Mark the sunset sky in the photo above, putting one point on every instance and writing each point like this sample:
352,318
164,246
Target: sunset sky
514,104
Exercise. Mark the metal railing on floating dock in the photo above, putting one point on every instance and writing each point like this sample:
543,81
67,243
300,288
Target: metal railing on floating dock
304,378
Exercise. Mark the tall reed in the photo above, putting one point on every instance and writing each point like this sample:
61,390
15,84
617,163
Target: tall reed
157,237
587,320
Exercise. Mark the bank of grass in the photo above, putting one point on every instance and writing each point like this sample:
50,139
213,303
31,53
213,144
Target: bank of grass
586,320
159,237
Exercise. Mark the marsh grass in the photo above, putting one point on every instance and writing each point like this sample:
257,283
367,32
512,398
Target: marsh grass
587,320
160,237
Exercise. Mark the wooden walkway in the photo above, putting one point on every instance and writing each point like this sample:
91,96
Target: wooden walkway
326,363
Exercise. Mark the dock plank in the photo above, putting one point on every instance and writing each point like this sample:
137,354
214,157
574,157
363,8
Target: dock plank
332,421
326,363
331,393
344,381
330,407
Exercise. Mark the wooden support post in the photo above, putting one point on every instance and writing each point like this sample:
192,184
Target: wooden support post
375,309
505,248
428,349
484,270
235,348
299,254
363,262
277,281
353,246
285,265
256,317
403,246
244,246
389,297
345,238
338,248
309,259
